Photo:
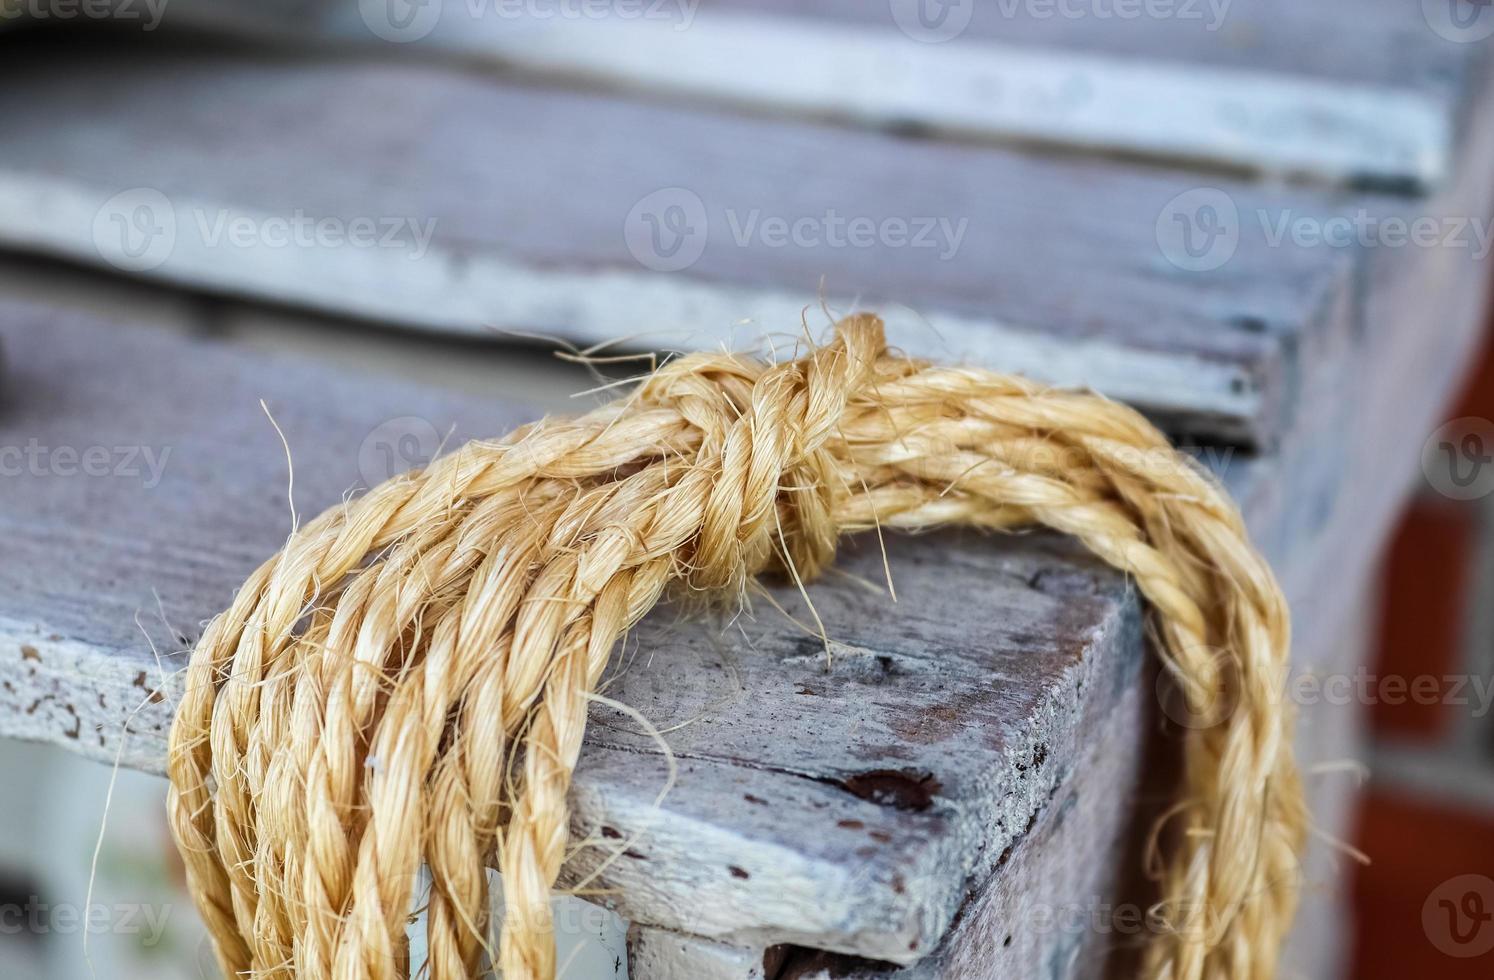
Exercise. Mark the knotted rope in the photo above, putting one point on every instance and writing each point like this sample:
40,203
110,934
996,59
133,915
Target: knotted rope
407,681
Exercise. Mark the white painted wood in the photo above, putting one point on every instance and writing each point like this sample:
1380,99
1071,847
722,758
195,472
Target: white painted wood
56,669
480,295
965,79
1066,269
1262,121
1318,507
659,955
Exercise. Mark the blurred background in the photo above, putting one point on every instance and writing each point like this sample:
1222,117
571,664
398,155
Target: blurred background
445,192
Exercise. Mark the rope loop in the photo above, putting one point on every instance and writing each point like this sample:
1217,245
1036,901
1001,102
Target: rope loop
406,682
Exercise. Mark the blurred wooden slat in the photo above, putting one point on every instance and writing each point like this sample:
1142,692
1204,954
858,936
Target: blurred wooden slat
530,210
1363,93
1344,356
86,557
1377,43
103,572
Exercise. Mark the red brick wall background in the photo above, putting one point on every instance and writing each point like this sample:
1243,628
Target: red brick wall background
1424,906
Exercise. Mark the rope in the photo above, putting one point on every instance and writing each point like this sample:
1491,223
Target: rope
406,682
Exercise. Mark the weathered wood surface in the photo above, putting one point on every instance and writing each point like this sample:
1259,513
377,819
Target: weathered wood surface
1270,85
1391,341
1311,510
1070,270
1320,508
838,808
1055,908
659,955
1057,905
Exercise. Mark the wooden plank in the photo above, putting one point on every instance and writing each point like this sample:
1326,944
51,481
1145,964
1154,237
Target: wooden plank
1271,86
654,954
1054,905
1378,43
1065,903
1319,507
1074,271
1279,495
947,720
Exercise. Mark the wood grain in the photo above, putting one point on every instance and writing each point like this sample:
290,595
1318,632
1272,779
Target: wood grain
1266,85
779,759
660,955
81,664
1058,272
944,723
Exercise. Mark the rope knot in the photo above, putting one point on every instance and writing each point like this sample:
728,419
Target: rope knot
773,483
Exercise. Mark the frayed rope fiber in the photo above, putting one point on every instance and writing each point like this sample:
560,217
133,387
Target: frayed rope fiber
407,681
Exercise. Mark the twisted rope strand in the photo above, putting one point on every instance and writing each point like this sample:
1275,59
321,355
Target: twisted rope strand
407,680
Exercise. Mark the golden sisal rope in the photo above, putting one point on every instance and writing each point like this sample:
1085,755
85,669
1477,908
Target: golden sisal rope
407,680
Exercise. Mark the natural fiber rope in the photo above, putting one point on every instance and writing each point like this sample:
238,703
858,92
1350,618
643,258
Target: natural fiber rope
407,681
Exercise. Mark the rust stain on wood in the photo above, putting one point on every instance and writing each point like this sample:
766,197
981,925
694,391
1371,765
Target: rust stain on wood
895,788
